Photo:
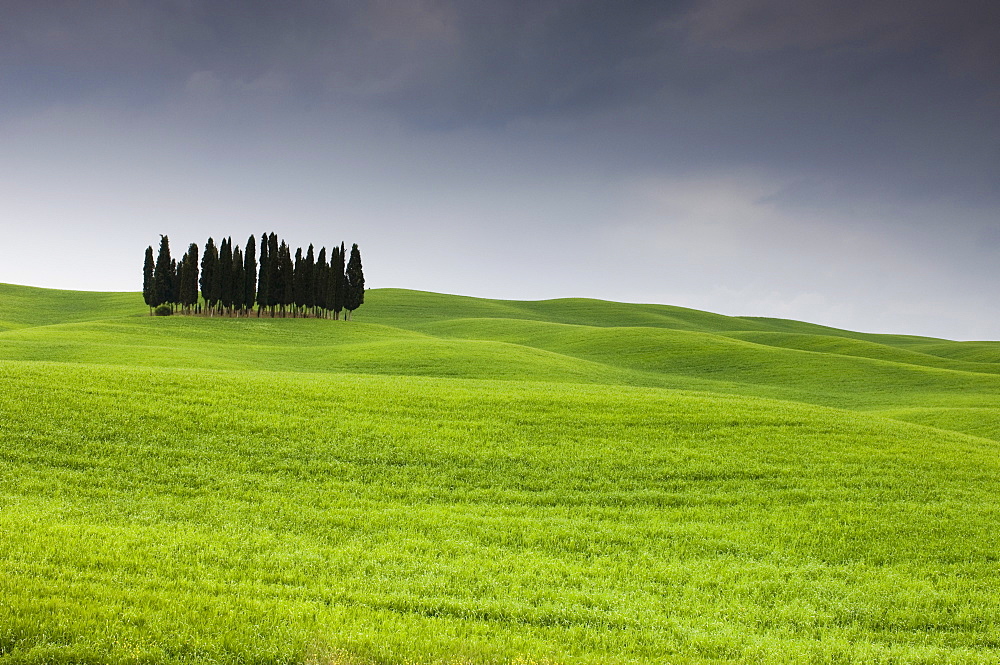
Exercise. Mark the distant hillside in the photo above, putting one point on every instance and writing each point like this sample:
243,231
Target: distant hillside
458,480
415,333
22,306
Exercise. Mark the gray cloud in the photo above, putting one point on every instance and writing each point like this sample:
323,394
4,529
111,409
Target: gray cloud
450,63
962,34
863,91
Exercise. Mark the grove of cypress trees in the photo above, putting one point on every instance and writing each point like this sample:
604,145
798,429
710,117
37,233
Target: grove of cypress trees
148,294
231,281
355,291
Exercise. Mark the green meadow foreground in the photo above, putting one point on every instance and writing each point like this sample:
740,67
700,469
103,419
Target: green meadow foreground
456,480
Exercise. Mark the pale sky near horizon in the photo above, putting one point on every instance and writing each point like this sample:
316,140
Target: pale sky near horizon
833,162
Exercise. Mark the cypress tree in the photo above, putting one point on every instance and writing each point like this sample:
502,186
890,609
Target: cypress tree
183,274
178,267
309,272
206,270
331,284
193,287
163,278
355,291
280,276
287,271
262,283
274,289
238,281
209,268
189,278
224,276
299,281
175,283
250,274
147,280
339,287
319,282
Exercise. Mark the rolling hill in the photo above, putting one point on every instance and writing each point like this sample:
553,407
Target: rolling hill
458,480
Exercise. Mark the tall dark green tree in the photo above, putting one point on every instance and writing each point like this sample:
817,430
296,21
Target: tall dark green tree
287,283
225,274
309,275
250,274
274,287
238,281
331,284
299,281
278,281
355,288
320,282
176,296
183,274
147,280
262,280
193,286
189,279
339,280
163,277
175,284
209,264
278,278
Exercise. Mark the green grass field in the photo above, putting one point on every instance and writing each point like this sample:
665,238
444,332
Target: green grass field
457,480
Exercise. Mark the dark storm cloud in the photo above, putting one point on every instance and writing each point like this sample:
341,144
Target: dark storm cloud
961,32
503,61
903,94
443,63
865,86
144,51
456,62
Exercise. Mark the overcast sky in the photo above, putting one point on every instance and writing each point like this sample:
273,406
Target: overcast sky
835,161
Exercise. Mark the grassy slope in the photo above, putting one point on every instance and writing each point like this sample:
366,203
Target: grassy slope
29,306
490,481
444,341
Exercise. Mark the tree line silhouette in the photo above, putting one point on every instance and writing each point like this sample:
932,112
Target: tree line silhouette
232,282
